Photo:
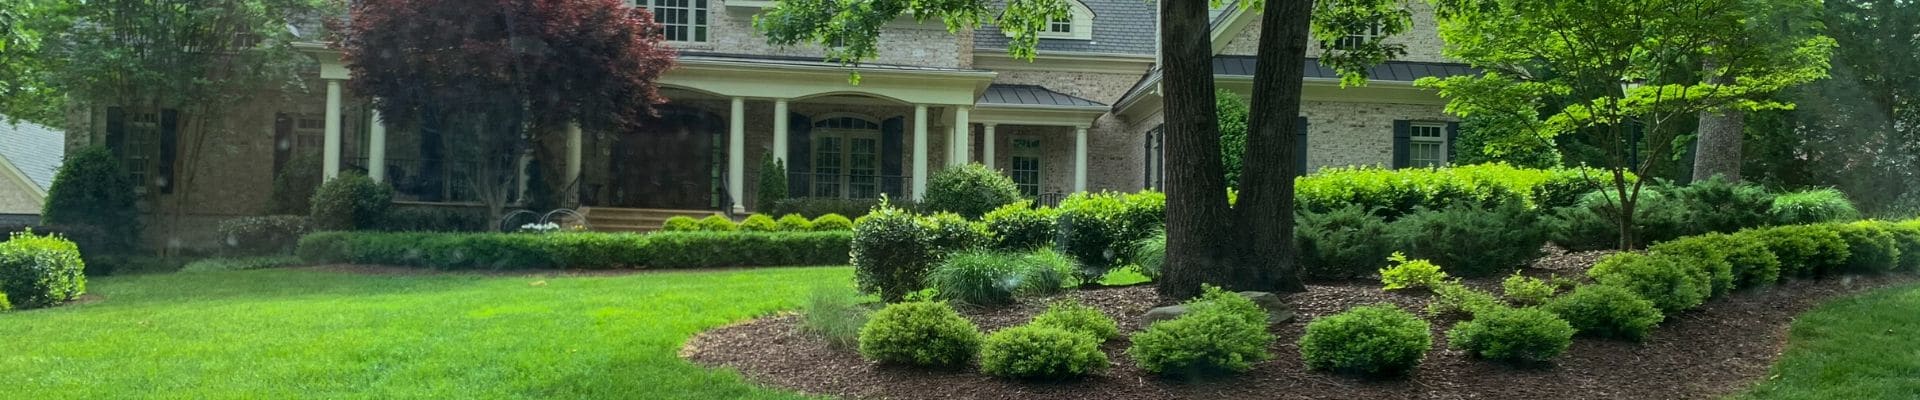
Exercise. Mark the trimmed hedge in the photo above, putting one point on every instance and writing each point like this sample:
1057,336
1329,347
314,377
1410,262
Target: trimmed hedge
348,202
1099,229
576,250
40,270
1020,226
969,190
1803,250
1395,192
259,236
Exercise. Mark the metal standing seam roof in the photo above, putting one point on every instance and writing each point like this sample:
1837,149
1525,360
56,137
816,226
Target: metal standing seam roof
1119,27
33,148
1404,71
1032,95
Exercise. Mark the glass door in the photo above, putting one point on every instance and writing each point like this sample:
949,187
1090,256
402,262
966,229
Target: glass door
826,166
863,167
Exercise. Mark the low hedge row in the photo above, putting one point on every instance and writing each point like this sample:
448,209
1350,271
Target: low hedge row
1683,273
577,250
1394,192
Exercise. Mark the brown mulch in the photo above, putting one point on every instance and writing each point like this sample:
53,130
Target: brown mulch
1717,349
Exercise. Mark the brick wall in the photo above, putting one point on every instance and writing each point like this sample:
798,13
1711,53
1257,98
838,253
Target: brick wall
1353,133
904,42
1422,40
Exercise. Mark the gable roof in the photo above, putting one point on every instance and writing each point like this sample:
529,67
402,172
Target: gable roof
1119,27
1031,95
34,149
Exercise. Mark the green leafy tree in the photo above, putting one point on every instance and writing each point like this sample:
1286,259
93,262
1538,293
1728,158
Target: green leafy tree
1233,133
1620,72
92,189
773,182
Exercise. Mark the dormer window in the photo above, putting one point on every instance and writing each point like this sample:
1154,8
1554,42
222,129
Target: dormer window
1057,26
1078,26
680,20
1356,39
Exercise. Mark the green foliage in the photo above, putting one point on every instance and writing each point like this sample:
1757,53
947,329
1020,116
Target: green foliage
1812,206
1469,240
1222,332
1672,283
773,182
1526,290
1804,250
1497,138
834,313
970,190
1907,235
718,223
1150,255
759,223
239,264
1233,133
832,222
576,250
1735,261
1072,316
1045,272
1719,205
1871,246
680,223
1343,243
38,271
1513,334
269,235
892,253
795,223
348,202
1592,225
92,189
1395,192
1039,352
1454,298
436,219
978,278
919,333
1371,340
1410,274
1019,226
293,187
1098,229
1606,311
815,207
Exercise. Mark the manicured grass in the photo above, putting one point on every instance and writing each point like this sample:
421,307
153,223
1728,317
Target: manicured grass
314,334
1861,347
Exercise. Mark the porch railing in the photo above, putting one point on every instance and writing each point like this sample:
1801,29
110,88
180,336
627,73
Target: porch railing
848,186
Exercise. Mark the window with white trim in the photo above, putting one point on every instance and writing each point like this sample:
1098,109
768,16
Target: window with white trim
1356,39
1077,26
1427,145
142,148
1058,26
680,20
1026,166
846,158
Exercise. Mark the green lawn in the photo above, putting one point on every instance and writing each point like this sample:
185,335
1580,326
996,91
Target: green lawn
1861,347
312,334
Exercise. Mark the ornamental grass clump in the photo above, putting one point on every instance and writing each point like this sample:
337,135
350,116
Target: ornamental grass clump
1375,340
919,333
834,314
1812,207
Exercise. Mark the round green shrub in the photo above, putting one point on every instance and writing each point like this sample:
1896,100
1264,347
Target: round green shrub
970,190
349,202
1526,290
832,222
718,223
1099,229
92,189
1072,316
1040,352
1871,247
795,223
1370,340
891,254
1222,332
978,278
1513,334
1804,250
1606,311
1671,283
759,223
1020,226
1471,241
948,233
1907,234
919,333
1454,298
1812,207
1745,260
40,271
1343,243
680,223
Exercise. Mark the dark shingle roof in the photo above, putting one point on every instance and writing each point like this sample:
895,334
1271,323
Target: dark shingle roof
35,149
807,61
1119,26
1406,71
1032,95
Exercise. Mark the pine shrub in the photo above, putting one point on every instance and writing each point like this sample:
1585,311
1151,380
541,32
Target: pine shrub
1672,283
1040,352
1222,332
1342,243
1513,334
1471,241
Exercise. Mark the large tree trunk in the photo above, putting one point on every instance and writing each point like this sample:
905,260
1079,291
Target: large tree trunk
1266,197
1717,150
1199,222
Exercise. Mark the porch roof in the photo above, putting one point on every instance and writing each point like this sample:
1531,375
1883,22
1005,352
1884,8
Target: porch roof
1000,94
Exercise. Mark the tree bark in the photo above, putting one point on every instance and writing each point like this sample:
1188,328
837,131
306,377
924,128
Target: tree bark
1717,150
1198,218
1266,197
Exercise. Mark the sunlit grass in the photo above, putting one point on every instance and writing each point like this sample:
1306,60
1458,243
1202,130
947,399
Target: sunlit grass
1862,347
313,334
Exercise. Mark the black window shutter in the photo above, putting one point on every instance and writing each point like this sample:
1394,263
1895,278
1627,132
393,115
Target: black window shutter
282,142
1402,143
891,141
1300,148
169,149
1453,141
799,155
117,131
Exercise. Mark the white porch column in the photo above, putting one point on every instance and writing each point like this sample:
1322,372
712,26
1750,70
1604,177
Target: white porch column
961,134
330,165
780,131
1080,158
986,150
919,151
377,148
574,161
737,156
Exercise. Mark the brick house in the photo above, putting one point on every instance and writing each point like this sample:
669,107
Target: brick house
1084,115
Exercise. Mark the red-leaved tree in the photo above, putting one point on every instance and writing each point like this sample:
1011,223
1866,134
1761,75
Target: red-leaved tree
503,78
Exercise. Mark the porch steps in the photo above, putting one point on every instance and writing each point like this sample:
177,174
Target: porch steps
637,220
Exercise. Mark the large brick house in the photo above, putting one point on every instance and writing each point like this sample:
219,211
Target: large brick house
1084,115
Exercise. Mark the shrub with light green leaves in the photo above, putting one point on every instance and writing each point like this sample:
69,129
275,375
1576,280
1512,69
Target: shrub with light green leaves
1469,240
1222,332
1672,283
1907,235
1072,316
969,190
1526,290
1812,207
919,333
1803,250
1607,312
1375,340
759,223
1871,247
1099,229
1020,226
1342,243
680,223
1395,192
1410,274
39,271
1040,352
1513,334
1732,261
1456,299
795,223
832,222
718,223
891,253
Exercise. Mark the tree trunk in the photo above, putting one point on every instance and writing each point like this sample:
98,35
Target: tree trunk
1199,223
1266,196
1717,150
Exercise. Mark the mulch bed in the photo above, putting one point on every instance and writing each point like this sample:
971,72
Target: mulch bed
1717,349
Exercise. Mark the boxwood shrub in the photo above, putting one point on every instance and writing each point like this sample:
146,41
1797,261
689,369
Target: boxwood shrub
1020,226
680,223
1099,229
1373,340
919,333
348,202
1907,235
1222,332
1606,311
718,223
1524,335
1075,317
1871,247
969,190
759,223
576,250
1672,283
1803,250
892,253
795,223
832,222
1730,262
1040,352
40,270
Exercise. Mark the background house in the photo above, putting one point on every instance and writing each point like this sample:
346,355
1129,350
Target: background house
30,154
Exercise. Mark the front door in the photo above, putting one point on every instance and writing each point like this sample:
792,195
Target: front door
846,158
668,164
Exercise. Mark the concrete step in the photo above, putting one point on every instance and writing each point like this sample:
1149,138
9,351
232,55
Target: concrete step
605,219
